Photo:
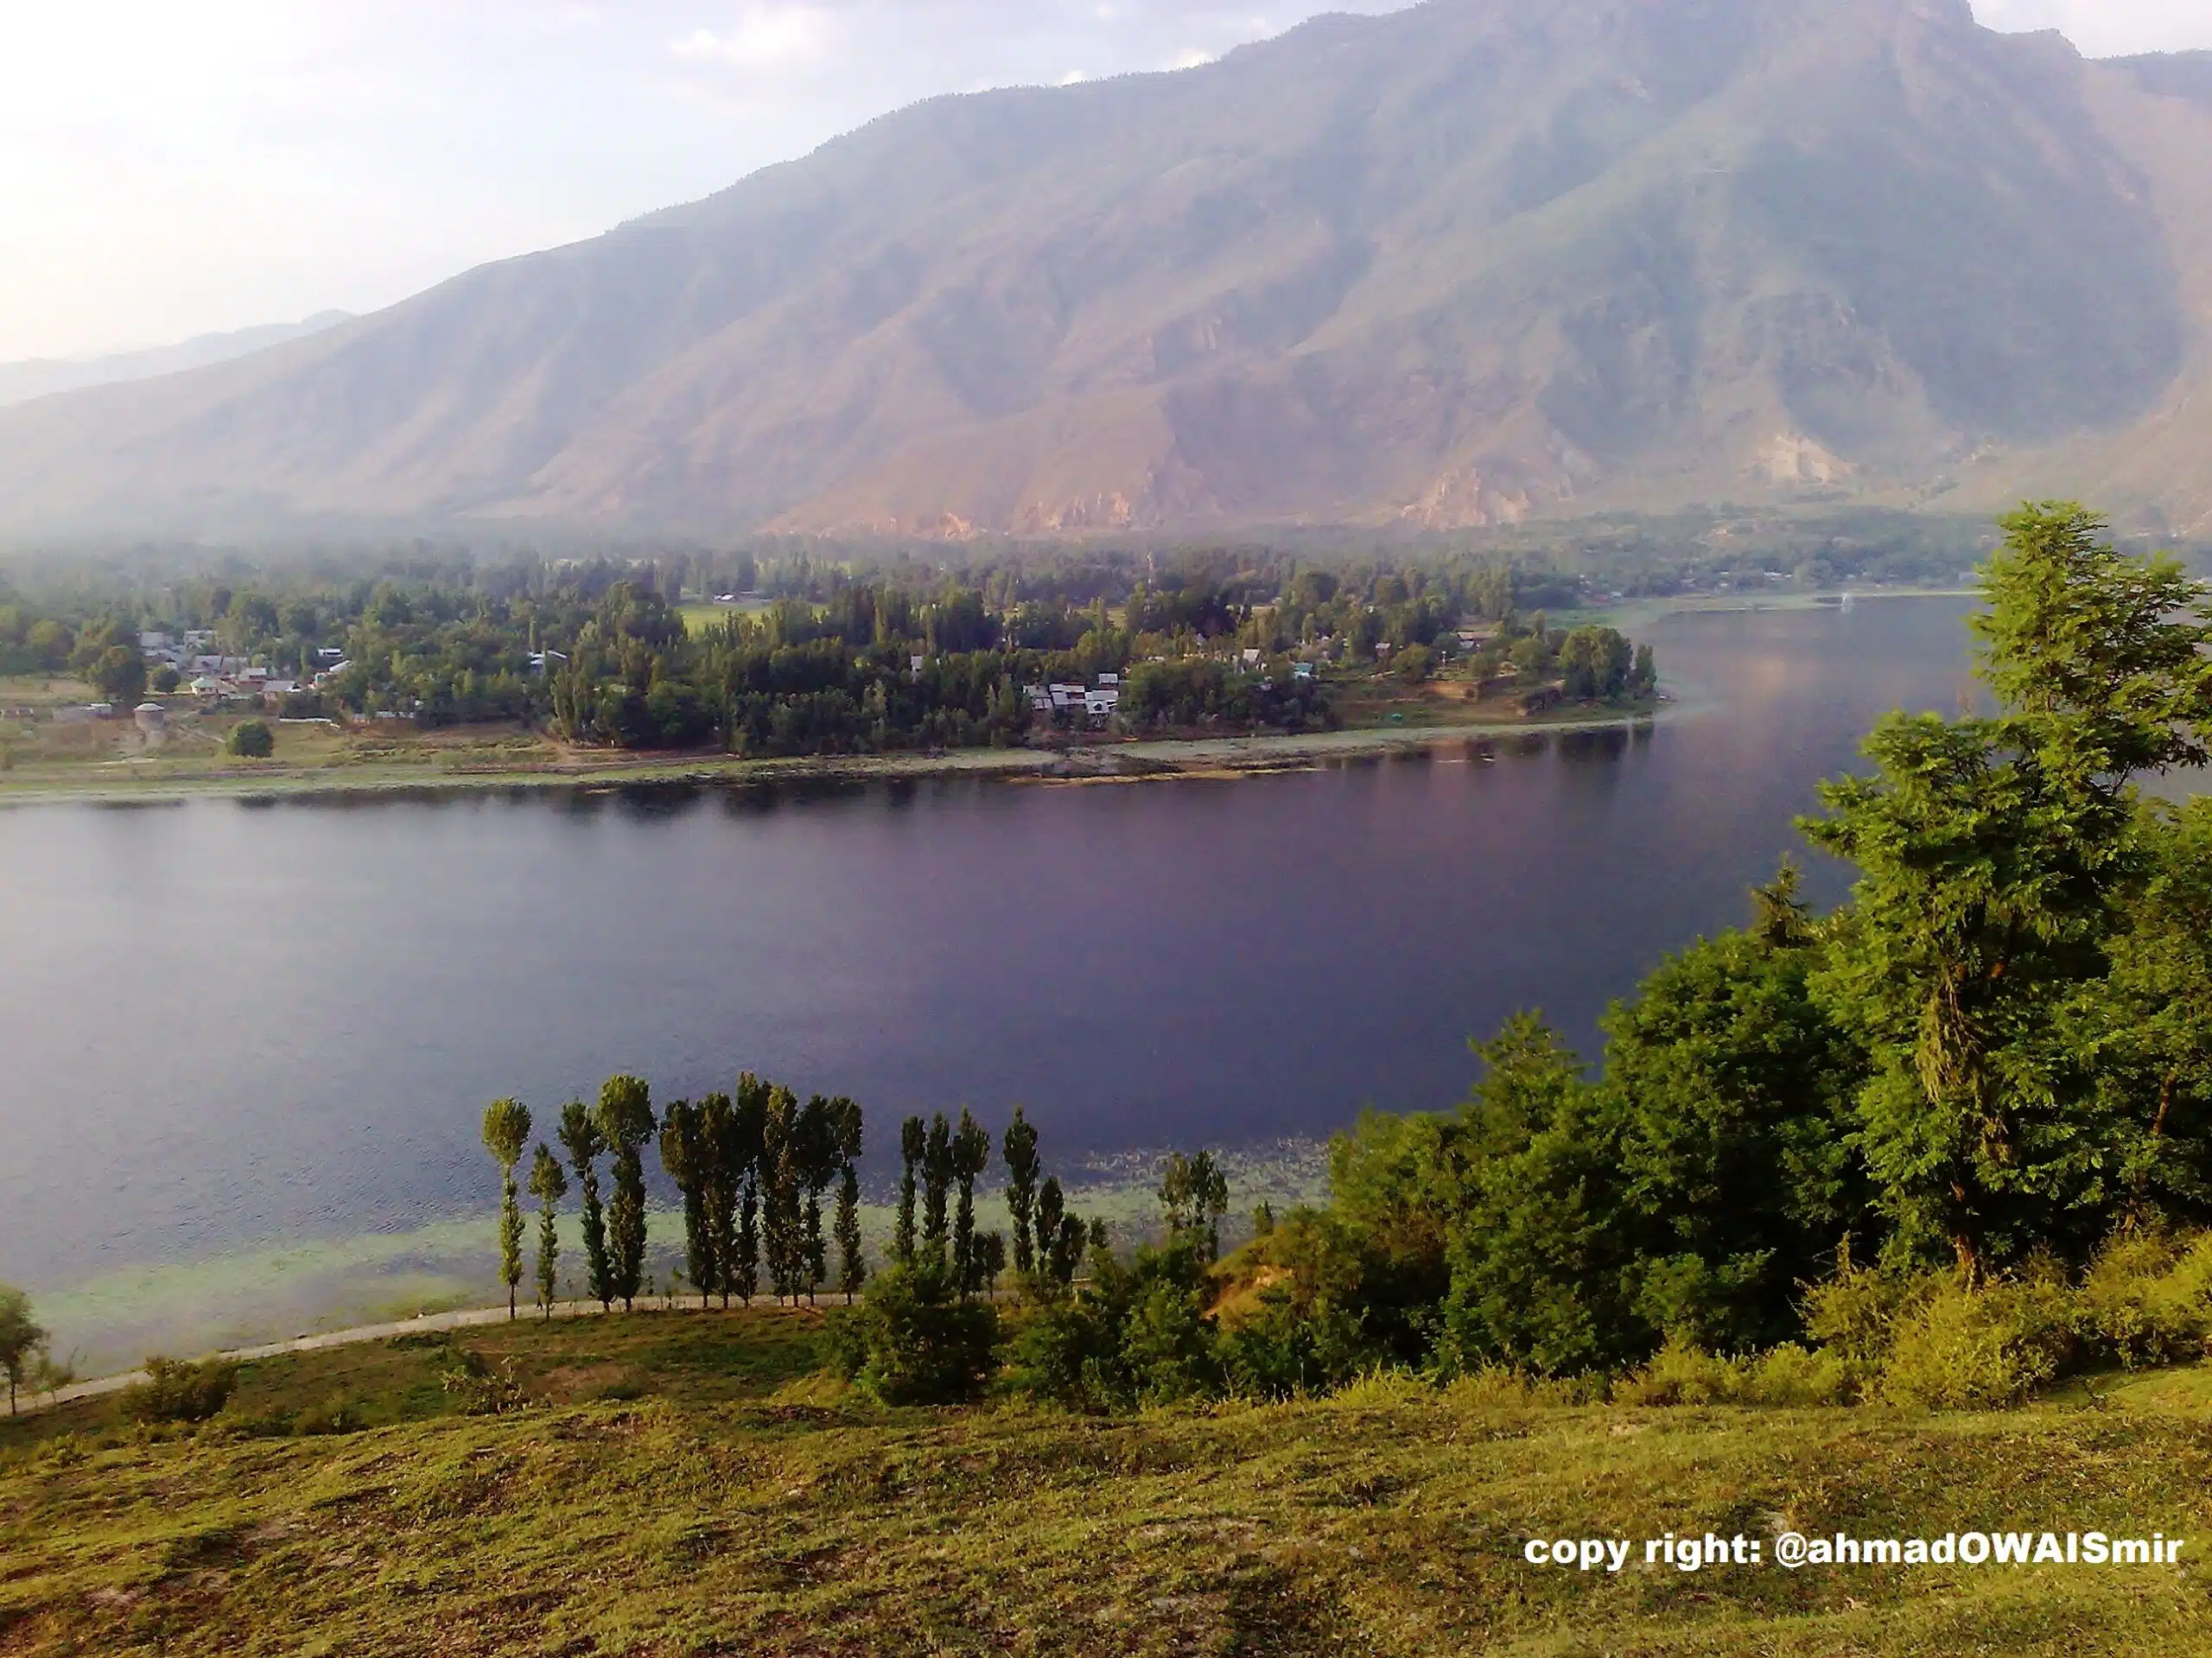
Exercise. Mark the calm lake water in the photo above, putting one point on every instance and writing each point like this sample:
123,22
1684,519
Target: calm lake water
226,1024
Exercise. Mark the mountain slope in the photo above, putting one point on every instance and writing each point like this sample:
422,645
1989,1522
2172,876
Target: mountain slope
1477,261
39,377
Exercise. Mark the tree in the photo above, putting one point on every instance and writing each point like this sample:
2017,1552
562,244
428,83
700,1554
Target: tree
687,1156
990,1259
750,1126
506,1131
22,1340
726,1170
782,1220
580,1138
252,740
916,1340
625,1119
549,1185
1729,1095
1995,854
1195,1193
819,1124
119,675
971,1151
1019,1149
1051,1215
936,1183
851,1269
914,1140
2150,1023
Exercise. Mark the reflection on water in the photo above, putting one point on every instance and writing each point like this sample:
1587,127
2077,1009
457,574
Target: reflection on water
228,1022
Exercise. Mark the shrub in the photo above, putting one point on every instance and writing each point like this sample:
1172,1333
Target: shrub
252,739
1788,1376
1983,1348
482,1390
2147,1299
174,1391
915,1340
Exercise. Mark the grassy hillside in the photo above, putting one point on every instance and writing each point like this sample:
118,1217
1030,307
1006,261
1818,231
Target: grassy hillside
684,1485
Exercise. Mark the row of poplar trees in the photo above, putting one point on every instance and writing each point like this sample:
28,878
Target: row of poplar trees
938,1156
752,1168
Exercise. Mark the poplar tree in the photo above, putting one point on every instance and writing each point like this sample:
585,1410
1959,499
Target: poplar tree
818,1163
971,1149
1051,1209
913,1139
751,1160
688,1157
852,1268
782,1222
580,1138
506,1131
937,1184
626,1123
1020,1150
549,1185
722,1177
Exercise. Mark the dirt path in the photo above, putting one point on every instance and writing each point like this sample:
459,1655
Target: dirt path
421,1325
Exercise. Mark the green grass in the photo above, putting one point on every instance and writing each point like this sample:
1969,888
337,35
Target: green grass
684,1485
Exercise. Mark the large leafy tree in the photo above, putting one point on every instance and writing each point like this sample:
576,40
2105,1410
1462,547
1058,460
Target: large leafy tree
1729,1093
1537,1248
1995,853
506,1131
2150,1023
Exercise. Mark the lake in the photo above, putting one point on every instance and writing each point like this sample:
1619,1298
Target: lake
231,1026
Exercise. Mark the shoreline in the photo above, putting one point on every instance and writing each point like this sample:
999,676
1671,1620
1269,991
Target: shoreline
1146,760
1166,759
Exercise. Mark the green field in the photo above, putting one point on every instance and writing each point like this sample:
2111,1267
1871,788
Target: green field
684,1484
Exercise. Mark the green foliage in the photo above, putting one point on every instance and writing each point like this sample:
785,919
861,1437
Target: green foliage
917,1339
1019,1152
252,740
1995,856
686,1155
22,1339
549,1185
174,1391
626,1124
506,1131
582,1140
482,1389
1129,1335
1787,1377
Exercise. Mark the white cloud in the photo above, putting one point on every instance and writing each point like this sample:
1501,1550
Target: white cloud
765,38
1191,57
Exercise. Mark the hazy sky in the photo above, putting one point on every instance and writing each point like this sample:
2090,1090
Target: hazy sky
167,169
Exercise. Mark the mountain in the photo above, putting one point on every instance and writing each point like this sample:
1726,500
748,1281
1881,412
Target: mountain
1473,263
40,377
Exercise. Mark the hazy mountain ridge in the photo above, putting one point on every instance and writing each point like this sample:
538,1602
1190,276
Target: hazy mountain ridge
42,377
1483,260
